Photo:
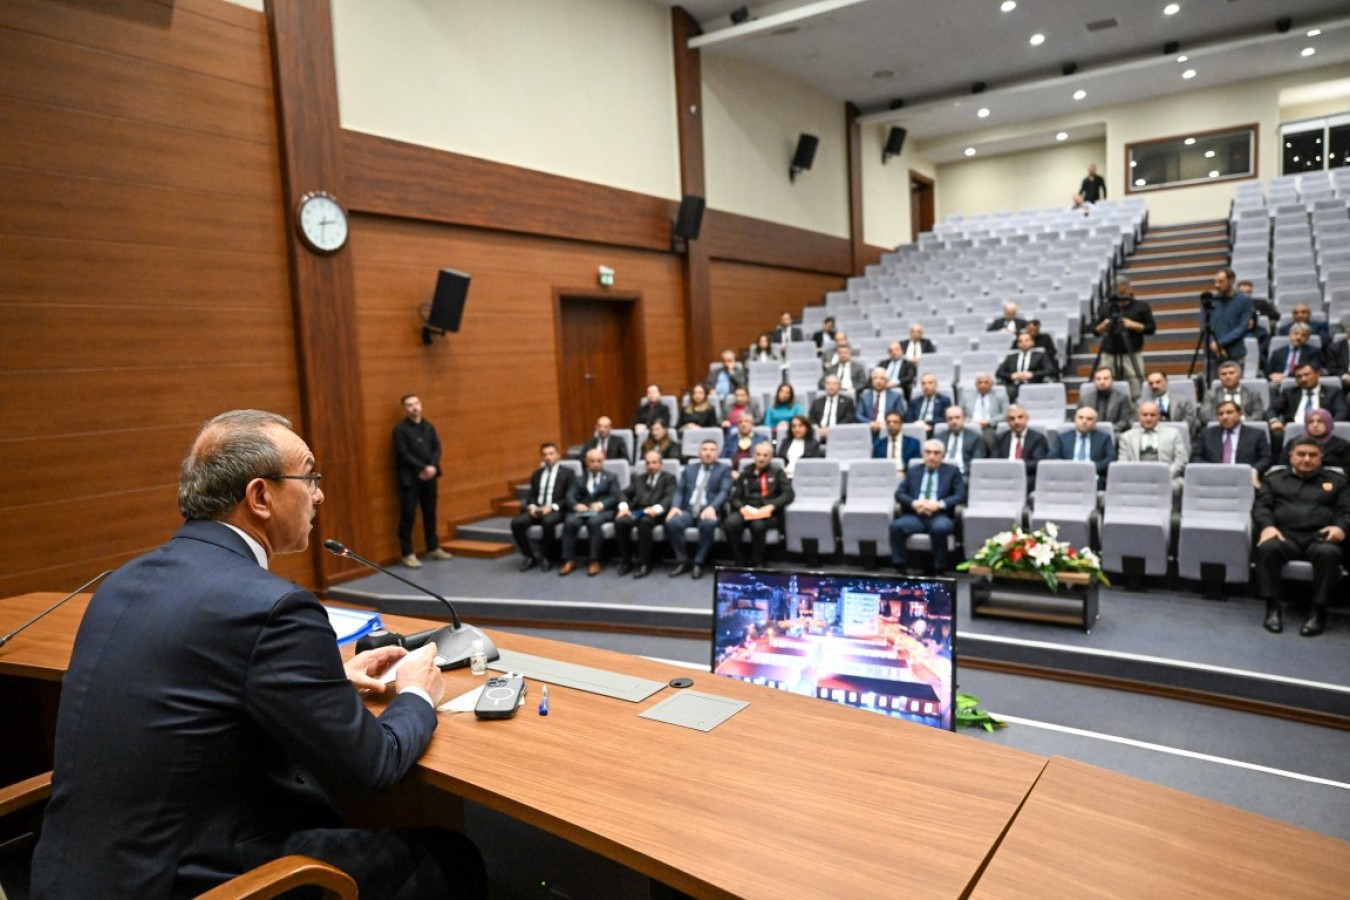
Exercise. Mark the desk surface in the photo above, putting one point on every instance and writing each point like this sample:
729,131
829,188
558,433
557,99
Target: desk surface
794,797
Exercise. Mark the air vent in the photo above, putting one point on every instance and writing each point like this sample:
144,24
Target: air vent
1102,24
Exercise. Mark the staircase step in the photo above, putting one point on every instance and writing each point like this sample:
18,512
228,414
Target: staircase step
479,549
494,529
503,507
1210,249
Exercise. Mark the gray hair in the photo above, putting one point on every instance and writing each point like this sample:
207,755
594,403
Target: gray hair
230,451
1301,327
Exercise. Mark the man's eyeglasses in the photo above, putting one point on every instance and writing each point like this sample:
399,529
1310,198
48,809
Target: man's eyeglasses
312,479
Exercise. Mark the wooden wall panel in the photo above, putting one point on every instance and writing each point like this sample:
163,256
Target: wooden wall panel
743,239
749,299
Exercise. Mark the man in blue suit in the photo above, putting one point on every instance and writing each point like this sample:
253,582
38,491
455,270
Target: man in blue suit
894,444
592,501
1085,442
207,721
928,406
928,496
704,486
875,402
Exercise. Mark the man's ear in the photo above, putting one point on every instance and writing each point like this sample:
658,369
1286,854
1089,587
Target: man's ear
257,501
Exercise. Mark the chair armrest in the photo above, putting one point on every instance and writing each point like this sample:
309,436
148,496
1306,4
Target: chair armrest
26,793
284,874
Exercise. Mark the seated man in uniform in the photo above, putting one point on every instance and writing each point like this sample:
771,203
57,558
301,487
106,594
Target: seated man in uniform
757,502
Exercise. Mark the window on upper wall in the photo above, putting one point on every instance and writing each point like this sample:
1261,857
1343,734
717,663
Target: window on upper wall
1191,159
1315,144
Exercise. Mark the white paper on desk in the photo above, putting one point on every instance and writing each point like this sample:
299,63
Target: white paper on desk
463,703
389,674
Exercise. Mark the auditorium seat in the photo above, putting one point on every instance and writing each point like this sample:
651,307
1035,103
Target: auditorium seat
996,498
817,486
869,506
1066,494
1216,521
1136,516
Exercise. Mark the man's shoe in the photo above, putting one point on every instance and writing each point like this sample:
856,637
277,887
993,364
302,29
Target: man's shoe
438,553
545,564
681,569
643,571
567,568
593,569
1316,624
529,563
412,562
625,567
1274,622
698,571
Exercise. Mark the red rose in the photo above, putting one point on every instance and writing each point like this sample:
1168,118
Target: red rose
1072,555
1015,554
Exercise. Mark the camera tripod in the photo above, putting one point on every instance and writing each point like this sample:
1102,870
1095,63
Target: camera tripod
1203,344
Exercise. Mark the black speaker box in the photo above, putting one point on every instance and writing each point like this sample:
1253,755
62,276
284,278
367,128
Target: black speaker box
895,141
806,152
447,306
689,221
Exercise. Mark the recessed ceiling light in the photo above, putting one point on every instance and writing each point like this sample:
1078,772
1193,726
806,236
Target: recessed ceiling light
1309,51
983,113
1213,173
1182,58
1008,5
1133,163
1314,32
1037,40
1295,159
1189,141
1062,136
1079,94
1209,154
970,151
1139,182
1171,9
1188,74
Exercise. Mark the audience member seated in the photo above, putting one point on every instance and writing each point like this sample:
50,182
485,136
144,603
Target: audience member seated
703,487
757,501
1294,400
900,372
611,446
651,410
1232,443
740,443
830,408
961,445
895,444
549,487
878,400
928,406
658,439
1111,405
798,444
1251,403
1020,442
1301,314
1285,361
786,332
645,503
763,351
1149,443
1338,358
928,496
1010,322
591,502
1171,409
985,407
826,333
698,412
1261,308
740,402
726,377
1302,512
785,406
1025,365
852,376
1043,342
1085,443
917,345
1317,424
830,358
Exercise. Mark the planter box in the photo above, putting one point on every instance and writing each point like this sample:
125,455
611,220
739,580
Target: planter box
1025,595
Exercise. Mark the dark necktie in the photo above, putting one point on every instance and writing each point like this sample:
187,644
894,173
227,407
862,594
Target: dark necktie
1293,361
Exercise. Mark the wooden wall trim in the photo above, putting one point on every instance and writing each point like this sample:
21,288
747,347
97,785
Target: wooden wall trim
853,141
743,239
698,309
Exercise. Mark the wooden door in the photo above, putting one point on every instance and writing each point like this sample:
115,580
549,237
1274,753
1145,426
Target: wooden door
921,206
599,363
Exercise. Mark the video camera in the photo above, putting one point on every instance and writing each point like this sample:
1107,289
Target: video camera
1207,301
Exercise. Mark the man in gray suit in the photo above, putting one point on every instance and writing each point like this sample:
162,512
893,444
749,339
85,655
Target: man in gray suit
1178,408
1149,443
1111,405
851,374
985,408
1251,403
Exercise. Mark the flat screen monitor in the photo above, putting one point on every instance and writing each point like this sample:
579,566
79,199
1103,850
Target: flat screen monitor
880,643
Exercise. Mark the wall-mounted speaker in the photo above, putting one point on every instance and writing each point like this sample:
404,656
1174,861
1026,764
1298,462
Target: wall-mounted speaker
804,155
895,143
689,220
447,304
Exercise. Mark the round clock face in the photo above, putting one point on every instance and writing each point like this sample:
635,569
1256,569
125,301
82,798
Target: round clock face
322,222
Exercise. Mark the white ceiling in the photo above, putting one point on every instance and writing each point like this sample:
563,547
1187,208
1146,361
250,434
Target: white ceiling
936,49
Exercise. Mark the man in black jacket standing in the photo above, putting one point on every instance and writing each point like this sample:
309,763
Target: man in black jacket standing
417,457
1124,322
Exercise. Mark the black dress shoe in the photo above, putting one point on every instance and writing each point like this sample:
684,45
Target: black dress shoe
625,567
1316,624
698,571
545,564
681,569
529,563
1274,622
643,571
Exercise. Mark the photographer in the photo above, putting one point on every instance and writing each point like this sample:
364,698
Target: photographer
1124,322
1229,314
1261,309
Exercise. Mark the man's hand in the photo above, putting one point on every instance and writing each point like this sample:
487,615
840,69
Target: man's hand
596,506
1332,534
1270,532
420,671
533,511
708,513
1275,377
1276,426
579,507
363,668
674,511
623,514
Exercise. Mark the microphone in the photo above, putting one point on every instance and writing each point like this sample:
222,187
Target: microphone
454,643
99,577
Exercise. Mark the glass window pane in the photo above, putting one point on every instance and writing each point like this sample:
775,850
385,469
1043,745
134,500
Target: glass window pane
1302,152
1191,159
1338,148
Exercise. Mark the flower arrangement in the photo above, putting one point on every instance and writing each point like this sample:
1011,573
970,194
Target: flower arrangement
1035,551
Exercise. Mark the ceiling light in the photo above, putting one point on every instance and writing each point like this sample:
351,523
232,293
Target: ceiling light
970,151
1213,173
1182,58
983,113
1314,32
1037,40
1062,136
1139,182
1133,163
1188,74
1309,51
1171,9
1079,94
1008,5
1189,141
1209,154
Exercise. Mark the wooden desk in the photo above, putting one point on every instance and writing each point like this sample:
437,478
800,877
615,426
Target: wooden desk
1087,832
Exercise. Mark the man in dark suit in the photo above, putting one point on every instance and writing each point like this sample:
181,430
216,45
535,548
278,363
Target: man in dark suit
417,458
900,372
1295,400
1044,343
917,345
591,502
1011,322
1085,443
1302,314
1337,358
928,496
704,486
928,406
208,722
1252,403
1285,361
1020,442
894,444
786,331
1231,443
1025,365
825,333
830,409
650,411
727,377
644,505
610,445
1111,405
549,486
961,445
757,501
878,400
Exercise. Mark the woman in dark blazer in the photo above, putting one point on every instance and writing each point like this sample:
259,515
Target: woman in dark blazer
658,439
798,444
698,411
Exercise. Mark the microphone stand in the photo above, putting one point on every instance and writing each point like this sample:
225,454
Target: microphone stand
454,642
99,577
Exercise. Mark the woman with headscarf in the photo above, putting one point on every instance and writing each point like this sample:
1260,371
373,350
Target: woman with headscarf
1317,424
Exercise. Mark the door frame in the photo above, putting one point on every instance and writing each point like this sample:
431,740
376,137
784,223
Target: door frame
914,216
633,299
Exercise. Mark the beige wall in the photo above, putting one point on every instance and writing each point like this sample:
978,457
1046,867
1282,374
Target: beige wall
1034,178
583,89
752,117
886,213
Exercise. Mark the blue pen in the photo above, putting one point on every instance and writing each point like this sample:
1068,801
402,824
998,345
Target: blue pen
543,701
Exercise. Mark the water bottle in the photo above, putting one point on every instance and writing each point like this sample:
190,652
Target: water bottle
478,658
